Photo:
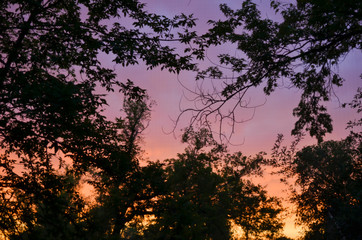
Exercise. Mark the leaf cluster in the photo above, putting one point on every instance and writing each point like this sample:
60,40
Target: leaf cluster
301,51
327,183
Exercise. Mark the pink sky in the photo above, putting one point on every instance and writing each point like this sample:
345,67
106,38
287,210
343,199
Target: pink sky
258,134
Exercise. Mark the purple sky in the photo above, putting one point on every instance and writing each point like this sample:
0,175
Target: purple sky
258,134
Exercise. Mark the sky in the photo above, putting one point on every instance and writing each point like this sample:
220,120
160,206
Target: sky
260,131
263,125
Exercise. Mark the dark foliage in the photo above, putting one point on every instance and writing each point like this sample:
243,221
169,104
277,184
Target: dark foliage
328,187
207,191
52,130
53,136
301,51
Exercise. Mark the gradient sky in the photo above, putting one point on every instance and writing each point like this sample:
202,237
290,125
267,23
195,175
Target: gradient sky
257,134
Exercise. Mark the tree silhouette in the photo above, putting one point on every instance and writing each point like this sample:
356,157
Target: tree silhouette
251,208
301,50
123,187
207,190
50,66
330,178
52,130
40,203
328,182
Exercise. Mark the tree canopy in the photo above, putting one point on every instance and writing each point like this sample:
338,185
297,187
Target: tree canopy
50,64
52,131
327,186
302,50
208,190
330,178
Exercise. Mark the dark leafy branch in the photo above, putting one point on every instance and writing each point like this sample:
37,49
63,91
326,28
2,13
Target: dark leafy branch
303,48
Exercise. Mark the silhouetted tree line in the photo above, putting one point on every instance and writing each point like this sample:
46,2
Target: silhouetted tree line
54,136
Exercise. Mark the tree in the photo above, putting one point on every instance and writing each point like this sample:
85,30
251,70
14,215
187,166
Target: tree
40,203
50,66
191,206
138,113
328,187
326,182
302,48
51,125
206,191
124,188
250,207
330,178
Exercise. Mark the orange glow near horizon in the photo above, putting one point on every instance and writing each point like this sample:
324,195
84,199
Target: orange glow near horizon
251,137
260,129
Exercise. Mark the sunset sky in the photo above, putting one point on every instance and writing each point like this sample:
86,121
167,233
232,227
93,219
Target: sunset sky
72,165
257,134
252,136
